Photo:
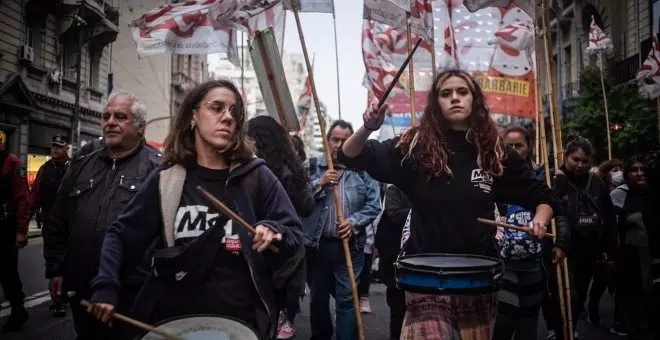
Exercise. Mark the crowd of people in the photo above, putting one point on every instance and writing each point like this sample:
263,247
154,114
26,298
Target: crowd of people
127,228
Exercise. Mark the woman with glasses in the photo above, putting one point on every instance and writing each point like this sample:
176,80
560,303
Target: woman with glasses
216,266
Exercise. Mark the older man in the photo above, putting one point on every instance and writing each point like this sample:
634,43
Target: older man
102,178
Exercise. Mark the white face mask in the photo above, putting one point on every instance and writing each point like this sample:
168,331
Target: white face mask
617,178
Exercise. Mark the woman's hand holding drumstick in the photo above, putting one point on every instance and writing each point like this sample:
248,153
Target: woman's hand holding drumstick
538,231
262,236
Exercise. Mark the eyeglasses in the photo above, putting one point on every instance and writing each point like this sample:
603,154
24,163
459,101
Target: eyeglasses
219,108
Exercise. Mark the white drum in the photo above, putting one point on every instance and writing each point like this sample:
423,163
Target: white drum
204,328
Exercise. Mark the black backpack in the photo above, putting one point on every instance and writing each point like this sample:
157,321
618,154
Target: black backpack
582,208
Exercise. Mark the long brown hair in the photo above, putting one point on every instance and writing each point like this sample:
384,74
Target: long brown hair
180,142
425,145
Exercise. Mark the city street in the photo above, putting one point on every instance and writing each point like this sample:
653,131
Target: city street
42,326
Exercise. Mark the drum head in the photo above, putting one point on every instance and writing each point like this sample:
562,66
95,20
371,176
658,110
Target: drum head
448,262
205,328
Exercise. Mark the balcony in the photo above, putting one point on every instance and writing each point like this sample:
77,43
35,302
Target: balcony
626,69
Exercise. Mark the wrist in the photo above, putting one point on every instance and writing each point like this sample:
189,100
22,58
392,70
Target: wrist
368,128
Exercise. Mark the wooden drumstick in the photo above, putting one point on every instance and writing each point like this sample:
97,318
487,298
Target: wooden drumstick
225,209
138,324
509,226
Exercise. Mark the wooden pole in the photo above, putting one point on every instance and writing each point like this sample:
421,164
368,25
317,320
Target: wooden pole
538,115
607,114
556,143
334,25
433,65
411,75
335,188
553,229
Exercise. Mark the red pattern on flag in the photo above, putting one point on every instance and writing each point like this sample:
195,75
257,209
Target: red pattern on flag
649,73
379,43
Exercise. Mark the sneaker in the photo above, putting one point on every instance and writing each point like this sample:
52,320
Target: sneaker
551,335
16,320
58,310
365,306
287,331
280,321
618,328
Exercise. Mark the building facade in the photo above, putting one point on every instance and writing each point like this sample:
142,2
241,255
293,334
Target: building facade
159,81
40,46
628,23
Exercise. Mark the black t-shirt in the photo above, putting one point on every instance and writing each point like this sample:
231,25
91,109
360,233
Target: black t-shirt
230,290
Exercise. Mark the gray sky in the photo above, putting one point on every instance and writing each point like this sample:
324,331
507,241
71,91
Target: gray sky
319,37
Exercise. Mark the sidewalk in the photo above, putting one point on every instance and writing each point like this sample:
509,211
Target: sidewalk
33,231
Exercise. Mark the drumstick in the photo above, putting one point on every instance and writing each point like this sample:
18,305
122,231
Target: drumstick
137,324
509,226
225,209
383,99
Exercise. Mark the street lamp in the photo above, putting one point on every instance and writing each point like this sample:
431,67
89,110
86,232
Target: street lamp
75,124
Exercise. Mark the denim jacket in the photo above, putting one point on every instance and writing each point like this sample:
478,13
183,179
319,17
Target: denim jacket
361,202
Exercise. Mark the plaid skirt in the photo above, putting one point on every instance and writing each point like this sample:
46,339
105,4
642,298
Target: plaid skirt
449,317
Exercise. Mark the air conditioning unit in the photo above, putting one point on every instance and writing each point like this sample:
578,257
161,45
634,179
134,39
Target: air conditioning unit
26,53
55,77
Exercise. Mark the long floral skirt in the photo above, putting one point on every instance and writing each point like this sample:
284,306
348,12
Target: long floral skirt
449,317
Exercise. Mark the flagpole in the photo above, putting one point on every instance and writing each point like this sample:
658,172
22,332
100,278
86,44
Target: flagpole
607,115
334,24
243,63
283,33
538,107
411,74
564,297
335,188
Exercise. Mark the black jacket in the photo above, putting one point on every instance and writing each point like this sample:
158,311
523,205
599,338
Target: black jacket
599,192
95,189
44,189
390,227
445,209
141,225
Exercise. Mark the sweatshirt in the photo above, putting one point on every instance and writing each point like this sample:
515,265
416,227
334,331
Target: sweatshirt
444,209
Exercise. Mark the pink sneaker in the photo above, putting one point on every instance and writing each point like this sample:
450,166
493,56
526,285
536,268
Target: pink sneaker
365,306
287,331
280,320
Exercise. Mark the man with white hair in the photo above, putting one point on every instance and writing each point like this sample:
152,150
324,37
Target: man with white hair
102,178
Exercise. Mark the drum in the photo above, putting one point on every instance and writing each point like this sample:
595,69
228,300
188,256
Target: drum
207,327
442,274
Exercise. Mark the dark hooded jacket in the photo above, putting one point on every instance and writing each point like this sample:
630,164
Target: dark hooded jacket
141,224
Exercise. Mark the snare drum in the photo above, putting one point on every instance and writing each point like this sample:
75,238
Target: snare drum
204,328
442,274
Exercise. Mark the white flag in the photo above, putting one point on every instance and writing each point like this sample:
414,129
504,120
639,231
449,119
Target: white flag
311,6
388,12
649,74
184,28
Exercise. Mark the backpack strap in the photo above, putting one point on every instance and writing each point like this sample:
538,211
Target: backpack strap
170,187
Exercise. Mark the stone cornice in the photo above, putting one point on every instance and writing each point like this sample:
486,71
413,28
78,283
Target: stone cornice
64,104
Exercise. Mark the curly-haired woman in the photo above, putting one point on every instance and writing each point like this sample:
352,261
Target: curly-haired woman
453,167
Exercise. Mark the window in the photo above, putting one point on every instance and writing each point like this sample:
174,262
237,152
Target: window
32,27
69,61
189,74
179,63
93,71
